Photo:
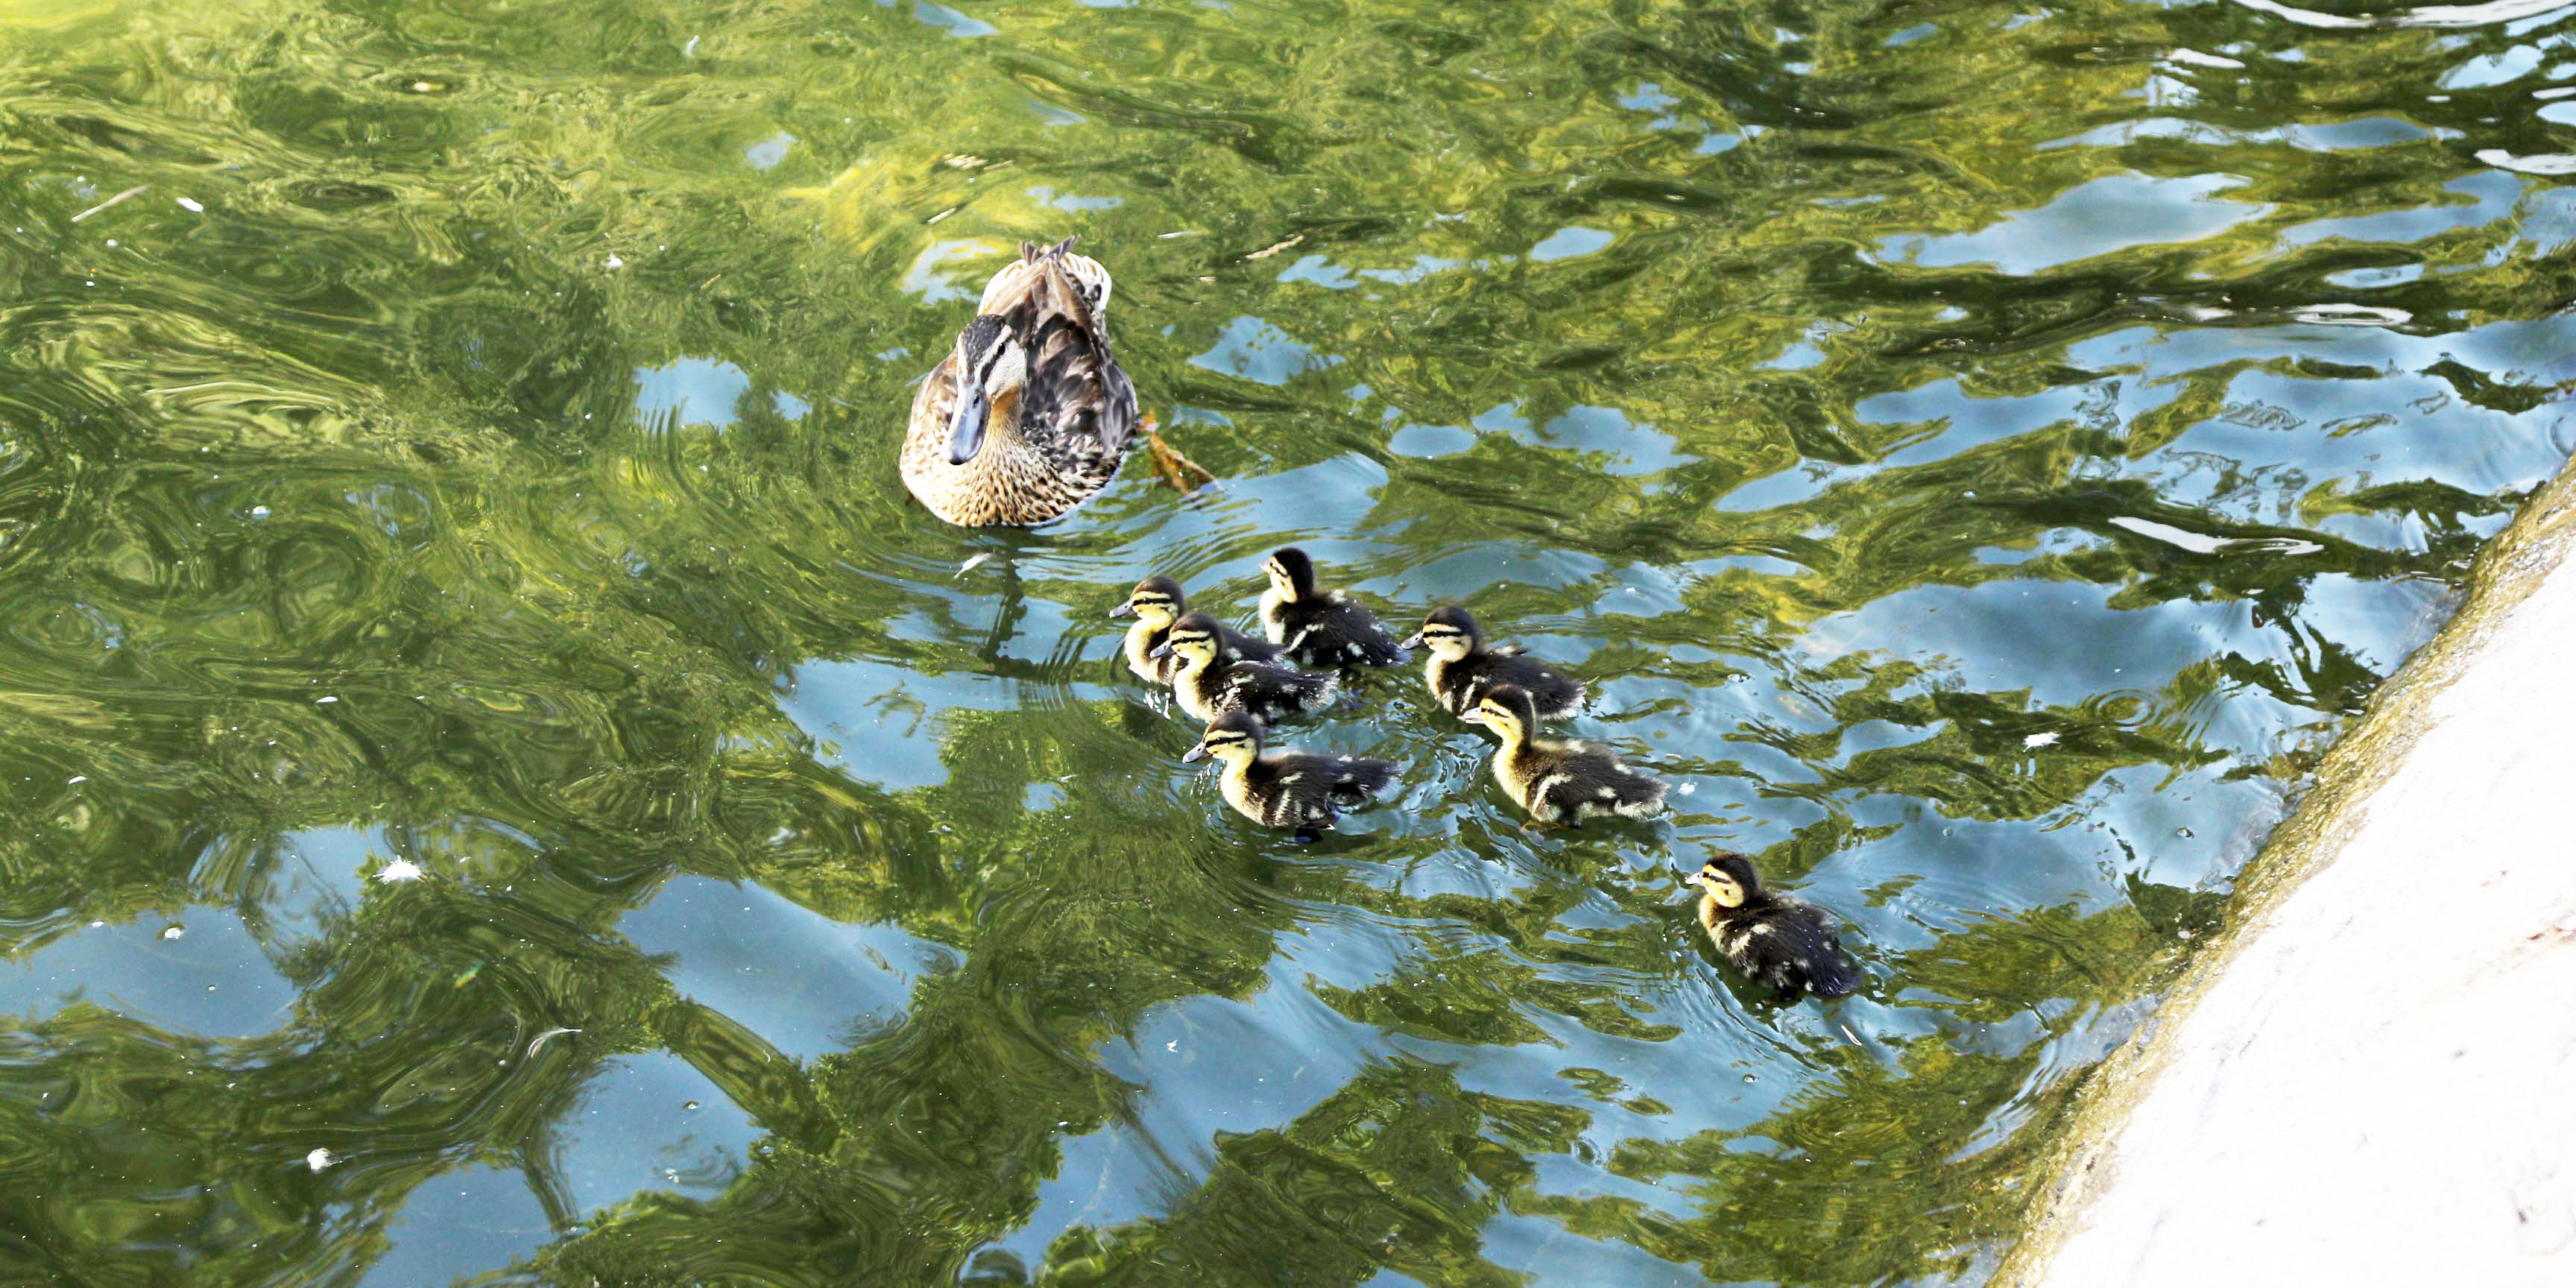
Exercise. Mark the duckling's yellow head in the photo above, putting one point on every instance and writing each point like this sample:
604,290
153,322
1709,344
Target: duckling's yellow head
1233,737
1449,633
1729,879
1506,709
1291,573
1155,601
992,368
1193,639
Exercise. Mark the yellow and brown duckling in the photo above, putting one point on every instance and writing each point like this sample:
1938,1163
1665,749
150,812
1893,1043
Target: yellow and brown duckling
1785,943
1320,627
1558,782
1029,415
1209,681
1155,604
1292,789
1462,668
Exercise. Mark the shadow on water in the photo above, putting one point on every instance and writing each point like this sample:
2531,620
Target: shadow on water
502,786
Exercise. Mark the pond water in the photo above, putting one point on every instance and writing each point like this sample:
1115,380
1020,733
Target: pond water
502,785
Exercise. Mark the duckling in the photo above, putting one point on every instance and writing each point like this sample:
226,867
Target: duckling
1209,681
1558,782
1320,627
1461,668
1029,415
1154,603
1788,944
1286,788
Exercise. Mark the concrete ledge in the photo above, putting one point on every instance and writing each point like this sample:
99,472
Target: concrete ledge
2371,1077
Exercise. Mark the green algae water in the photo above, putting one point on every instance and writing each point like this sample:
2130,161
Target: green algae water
500,785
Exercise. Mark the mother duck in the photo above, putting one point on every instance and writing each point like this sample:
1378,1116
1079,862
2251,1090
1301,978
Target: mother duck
1029,415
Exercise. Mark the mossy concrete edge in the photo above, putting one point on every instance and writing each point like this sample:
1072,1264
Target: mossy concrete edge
2078,1170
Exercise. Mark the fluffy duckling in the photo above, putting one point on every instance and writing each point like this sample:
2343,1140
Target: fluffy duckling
1286,788
1461,668
1558,782
1320,627
1208,681
1788,944
1155,603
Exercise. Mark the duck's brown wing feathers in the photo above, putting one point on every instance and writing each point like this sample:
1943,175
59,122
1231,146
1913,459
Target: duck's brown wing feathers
1079,408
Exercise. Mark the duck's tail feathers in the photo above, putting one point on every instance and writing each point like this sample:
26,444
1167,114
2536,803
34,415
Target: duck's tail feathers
1563,698
1321,690
1357,778
1638,794
1831,976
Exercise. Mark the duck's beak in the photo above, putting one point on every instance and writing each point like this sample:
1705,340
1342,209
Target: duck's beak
1123,610
1199,752
1473,716
1696,878
1411,642
966,427
1163,649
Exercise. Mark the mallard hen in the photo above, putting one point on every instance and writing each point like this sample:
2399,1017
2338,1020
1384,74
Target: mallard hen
1029,415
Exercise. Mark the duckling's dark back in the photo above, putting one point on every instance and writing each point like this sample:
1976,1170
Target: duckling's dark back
1269,690
1789,945
1330,630
1302,788
1322,627
1555,696
1575,780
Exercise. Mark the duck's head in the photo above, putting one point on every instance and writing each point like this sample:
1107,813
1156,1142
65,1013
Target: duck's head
1233,737
992,368
1192,639
1292,574
1728,878
1507,710
1155,601
1449,633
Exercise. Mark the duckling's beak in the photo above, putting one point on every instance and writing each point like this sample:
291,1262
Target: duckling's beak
1696,878
1199,752
1473,716
1411,642
1163,649
966,428
1123,610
